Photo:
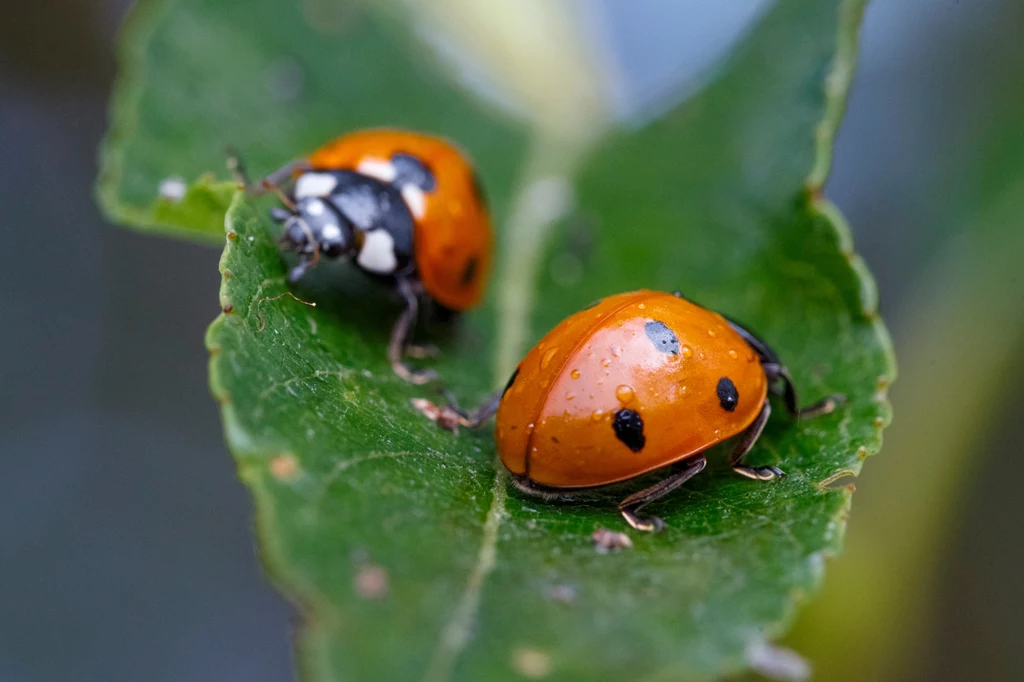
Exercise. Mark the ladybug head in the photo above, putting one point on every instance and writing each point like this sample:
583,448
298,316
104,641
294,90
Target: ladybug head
315,225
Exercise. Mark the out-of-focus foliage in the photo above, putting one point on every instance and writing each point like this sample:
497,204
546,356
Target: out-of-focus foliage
402,544
963,328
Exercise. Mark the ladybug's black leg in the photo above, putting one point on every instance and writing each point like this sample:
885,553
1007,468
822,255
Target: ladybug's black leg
778,373
451,417
422,351
524,485
630,507
400,337
296,273
480,414
747,440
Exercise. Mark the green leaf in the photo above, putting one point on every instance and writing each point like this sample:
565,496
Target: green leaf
403,546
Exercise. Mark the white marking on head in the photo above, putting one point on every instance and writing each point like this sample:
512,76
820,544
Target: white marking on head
315,207
378,253
330,232
415,200
314,185
375,168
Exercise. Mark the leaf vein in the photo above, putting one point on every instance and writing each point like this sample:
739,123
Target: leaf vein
456,633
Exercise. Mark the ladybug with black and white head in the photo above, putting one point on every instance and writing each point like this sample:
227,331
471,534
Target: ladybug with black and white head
637,382
401,205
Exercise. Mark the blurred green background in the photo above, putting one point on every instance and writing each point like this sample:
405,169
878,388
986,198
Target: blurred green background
120,563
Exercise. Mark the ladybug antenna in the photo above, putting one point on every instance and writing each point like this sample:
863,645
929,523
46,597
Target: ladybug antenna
237,168
267,184
282,196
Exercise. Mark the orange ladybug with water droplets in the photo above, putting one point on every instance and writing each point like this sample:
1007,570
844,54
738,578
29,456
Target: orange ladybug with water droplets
404,206
636,382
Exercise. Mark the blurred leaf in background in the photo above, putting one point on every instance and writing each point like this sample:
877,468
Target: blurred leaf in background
961,331
401,544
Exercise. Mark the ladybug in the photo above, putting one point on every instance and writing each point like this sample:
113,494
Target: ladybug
636,382
404,206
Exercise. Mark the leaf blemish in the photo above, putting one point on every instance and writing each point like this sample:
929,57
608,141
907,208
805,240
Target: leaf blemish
606,540
562,594
531,663
371,581
284,467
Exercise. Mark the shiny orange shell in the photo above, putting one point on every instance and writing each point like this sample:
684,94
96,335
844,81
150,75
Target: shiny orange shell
452,239
555,421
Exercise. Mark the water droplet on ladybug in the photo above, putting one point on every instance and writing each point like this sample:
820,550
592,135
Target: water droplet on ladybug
711,332
733,354
570,396
624,393
605,362
575,374
549,355
597,415
687,352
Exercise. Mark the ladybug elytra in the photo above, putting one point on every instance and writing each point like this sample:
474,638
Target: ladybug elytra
402,205
637,382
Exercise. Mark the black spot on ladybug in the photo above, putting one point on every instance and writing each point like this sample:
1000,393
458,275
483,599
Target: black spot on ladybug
629,428
511,380
410,170
728,398
663,338
469,273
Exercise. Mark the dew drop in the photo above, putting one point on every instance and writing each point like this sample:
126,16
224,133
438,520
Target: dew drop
575,374
711,333
549,355
570,396
616,351
605,362
624,393
597,415
687,352
642,306
733,354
